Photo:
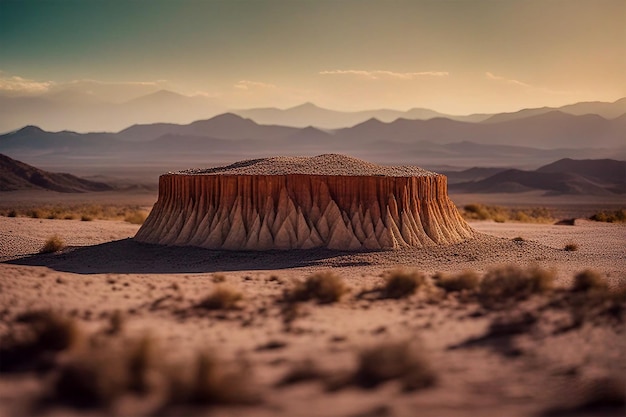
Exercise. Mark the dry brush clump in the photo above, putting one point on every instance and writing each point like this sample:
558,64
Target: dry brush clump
86,212
592,299
100,370
617,216
500,214
325,287
222,297
401,283
463,281
34,338
599,396
402,361
589,280
511,282
53,244
570,247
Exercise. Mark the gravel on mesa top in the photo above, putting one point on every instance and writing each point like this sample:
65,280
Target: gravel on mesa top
327,164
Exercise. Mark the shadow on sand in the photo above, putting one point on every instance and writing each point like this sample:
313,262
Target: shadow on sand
130,257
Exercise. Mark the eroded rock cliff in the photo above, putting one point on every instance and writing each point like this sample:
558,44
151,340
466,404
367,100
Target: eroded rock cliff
304,203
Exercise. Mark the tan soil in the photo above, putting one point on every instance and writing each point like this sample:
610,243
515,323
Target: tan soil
155,288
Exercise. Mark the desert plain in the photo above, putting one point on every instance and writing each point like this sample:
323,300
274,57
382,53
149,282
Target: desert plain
160,330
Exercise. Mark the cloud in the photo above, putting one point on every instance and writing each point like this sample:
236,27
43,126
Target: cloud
378,74
18,85
248,85
492,76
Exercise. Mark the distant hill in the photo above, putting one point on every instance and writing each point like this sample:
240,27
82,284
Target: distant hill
566,176
16,175
602,109
308,114
535,140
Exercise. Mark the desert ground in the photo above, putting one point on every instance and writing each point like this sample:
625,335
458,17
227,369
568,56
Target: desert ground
154,330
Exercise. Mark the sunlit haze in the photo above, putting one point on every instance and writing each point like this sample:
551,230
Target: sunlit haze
457,57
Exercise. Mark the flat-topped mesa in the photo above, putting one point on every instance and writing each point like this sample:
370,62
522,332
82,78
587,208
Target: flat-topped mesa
327,201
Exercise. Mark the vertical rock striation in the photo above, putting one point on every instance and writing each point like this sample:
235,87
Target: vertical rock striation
304,203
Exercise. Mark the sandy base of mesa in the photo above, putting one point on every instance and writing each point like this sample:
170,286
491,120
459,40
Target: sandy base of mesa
103,271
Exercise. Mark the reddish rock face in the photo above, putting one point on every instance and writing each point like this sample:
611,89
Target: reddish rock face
301,211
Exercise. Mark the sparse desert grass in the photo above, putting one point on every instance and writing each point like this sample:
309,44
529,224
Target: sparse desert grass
136,217
217,277
403,361
500,214
604,395
465,280
325,287
221,298
513,282
617,216
589,280
86,212
302,371
400,283
96,370
34,336
211,381
53,244
570,247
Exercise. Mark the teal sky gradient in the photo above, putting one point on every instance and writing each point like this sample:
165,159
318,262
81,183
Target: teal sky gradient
498,54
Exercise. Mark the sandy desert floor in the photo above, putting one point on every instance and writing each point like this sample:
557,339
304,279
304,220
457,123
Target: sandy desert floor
433,353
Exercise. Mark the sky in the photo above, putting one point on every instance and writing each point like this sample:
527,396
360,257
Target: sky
454,56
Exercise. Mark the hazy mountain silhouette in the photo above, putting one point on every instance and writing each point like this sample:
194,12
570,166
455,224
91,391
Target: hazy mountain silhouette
79,111
534,140
549,130
16,175
565,176
603,109
308,114
78,108
223,126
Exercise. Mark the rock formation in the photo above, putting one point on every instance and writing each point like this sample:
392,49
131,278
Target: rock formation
328,201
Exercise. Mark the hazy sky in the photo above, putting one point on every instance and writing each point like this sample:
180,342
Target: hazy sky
458,56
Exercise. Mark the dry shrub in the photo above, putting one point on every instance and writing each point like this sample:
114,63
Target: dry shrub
12,213
617,216
589,280
303,371
136,217
512,282
105,370
466,280
401,361
571,247
35,337
86,212
210,381
53,244
601,396
519,239
221,298
217,277
325,287
110,369
401,283
501,214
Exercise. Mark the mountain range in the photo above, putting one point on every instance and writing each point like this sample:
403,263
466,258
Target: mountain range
566,176
83,111
16,175
533,140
